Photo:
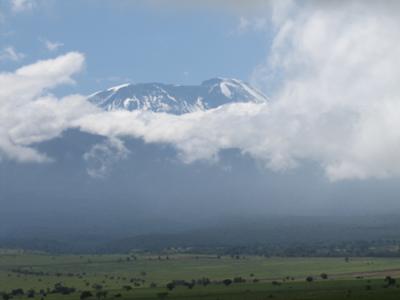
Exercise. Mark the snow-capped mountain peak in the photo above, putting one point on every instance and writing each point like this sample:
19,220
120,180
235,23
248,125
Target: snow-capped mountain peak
176,99
118,87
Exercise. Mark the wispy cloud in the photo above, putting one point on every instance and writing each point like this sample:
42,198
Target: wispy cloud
10,54
101,157
22,5
253,23
52,46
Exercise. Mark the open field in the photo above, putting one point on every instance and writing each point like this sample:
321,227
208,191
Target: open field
148,275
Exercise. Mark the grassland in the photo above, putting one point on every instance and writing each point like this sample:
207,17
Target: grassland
358,278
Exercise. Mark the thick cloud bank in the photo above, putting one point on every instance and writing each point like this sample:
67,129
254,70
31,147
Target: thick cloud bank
334,66
340,65
30,114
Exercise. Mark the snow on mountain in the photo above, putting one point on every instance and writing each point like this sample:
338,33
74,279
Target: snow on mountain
176,99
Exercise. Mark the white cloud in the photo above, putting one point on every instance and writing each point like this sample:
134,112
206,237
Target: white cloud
10,54
28,114
52,46
22,5
339,63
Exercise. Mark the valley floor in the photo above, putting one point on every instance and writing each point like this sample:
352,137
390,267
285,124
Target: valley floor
145,276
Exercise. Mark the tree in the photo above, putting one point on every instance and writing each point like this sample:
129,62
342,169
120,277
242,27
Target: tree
227,282
239,280
85,294
17,292
6,296
61,289
324,276
309,279
170,286
190,285
31,294
204,281
390,281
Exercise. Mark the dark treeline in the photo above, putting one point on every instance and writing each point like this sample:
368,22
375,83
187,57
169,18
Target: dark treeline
277,236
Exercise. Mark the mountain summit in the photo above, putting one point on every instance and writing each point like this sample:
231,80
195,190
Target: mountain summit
176,99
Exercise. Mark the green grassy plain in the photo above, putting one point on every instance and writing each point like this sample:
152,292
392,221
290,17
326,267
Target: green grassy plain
359,278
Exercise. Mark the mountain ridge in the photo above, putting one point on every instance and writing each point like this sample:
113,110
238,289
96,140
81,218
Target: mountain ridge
176,99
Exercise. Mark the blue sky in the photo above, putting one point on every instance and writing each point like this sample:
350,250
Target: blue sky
132,41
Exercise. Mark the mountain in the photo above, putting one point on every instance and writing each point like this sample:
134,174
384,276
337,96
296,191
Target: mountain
176,99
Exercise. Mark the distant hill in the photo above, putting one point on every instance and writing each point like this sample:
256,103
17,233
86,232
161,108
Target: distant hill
272,236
